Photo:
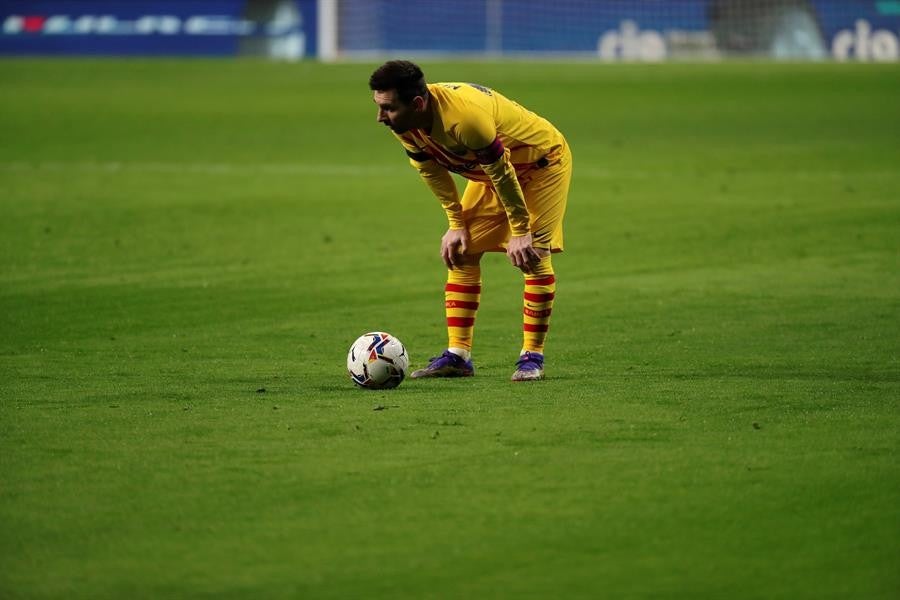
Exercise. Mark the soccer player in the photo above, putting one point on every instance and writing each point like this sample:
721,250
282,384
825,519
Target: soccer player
518,168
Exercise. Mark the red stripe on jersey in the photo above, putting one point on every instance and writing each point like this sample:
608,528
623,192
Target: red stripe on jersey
535,328
547,280
416,134
436,147
420,137
539,297
462,289
460,321
444,154
461,304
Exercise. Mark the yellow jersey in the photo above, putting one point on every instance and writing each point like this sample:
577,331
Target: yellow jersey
469,117
485,137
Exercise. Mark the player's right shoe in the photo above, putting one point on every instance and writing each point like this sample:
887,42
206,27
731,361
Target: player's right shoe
446,365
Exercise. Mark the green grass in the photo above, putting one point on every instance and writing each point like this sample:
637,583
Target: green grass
720,418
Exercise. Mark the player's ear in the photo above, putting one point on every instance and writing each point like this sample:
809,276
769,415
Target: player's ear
419,103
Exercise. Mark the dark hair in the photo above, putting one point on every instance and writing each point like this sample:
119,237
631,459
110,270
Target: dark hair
401,75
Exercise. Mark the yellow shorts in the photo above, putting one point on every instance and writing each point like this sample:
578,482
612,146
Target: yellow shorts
546,191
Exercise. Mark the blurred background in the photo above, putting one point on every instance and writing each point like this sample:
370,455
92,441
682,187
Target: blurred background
328,30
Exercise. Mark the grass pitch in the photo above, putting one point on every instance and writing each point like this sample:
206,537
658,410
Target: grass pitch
187,249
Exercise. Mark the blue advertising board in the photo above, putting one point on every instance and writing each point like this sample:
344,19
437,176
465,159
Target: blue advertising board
161,27
650,30
632,30
860,29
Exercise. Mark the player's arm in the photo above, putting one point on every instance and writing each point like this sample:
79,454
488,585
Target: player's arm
480,134
495,161
455,242
438,180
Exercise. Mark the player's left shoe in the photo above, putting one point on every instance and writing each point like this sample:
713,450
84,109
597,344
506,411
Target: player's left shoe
529,367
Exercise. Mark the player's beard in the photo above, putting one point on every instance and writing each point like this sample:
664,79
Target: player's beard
398,129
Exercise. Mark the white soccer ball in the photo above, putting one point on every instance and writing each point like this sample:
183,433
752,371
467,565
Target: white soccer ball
377,361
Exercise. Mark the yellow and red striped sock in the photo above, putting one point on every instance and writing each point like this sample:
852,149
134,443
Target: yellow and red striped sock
461,297
540,289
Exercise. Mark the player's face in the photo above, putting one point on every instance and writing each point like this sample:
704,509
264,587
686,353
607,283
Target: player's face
394,113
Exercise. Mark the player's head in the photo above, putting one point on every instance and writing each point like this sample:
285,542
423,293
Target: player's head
400,93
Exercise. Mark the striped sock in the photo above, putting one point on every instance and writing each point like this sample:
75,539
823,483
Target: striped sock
540,289
461,297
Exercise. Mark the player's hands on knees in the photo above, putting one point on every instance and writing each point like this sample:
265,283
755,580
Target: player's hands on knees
521,253
454,245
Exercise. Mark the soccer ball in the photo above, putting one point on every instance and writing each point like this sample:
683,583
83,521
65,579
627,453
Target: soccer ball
377,361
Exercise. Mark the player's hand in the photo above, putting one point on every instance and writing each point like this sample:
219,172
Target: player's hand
521,253
453,245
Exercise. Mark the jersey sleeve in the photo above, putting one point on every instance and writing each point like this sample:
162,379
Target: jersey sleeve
438,180
503,176
479,133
